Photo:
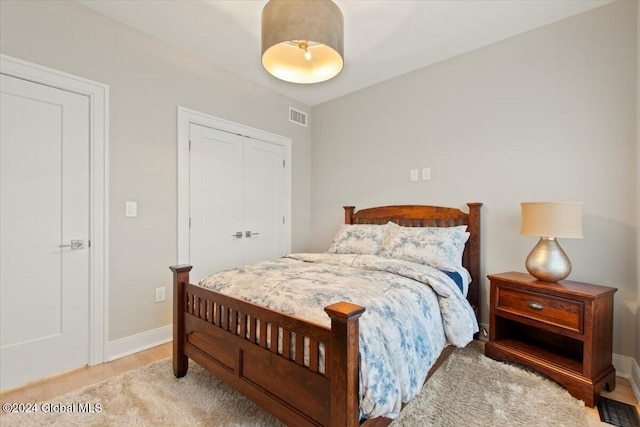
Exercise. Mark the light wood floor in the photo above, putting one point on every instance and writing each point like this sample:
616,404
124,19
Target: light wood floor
47,389
622,393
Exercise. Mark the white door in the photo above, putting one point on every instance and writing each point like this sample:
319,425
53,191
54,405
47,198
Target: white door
263,201
215,195
44,206
236,200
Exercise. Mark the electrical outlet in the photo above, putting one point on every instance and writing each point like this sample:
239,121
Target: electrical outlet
160,295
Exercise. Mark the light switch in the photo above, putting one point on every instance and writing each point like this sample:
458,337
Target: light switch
414,174
426,174
131,209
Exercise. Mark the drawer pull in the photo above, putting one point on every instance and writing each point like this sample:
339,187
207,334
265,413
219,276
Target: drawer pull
535,305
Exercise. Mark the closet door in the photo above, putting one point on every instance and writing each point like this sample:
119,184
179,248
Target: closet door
236,201
263,201
215,200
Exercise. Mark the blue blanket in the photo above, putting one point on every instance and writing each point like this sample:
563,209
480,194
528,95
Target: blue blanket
412,312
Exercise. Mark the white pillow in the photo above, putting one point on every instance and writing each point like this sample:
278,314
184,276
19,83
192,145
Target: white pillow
357,239
438,247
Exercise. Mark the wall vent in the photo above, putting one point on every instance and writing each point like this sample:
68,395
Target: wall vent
297,116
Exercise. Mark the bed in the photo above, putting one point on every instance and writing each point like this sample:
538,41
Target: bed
258,350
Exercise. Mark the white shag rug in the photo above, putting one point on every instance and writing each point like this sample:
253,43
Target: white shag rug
472,390
468,390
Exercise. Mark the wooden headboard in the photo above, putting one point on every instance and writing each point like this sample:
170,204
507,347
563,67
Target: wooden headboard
432,216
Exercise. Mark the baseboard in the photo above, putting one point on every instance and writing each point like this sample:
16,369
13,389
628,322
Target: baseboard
635,379
622,365
138,342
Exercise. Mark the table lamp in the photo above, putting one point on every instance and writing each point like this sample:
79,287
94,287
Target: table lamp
550,220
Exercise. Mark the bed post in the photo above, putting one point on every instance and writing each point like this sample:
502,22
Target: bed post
180,278
348,214
344,363
474,256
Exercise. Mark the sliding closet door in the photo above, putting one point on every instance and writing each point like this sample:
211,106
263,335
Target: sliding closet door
215,193
263,201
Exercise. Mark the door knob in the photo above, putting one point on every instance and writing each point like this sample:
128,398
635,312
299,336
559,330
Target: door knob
75,244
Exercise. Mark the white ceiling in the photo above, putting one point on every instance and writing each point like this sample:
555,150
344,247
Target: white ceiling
383,39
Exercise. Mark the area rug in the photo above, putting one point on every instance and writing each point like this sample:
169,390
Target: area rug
472,390
468,390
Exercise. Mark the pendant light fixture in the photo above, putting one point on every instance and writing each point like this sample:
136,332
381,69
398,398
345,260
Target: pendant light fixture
302,40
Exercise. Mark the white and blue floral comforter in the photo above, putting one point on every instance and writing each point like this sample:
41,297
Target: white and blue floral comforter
412,312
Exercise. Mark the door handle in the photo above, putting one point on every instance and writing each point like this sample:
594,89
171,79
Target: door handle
75,244
250,234
238,235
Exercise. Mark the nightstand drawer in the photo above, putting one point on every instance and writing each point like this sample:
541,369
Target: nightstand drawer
566,313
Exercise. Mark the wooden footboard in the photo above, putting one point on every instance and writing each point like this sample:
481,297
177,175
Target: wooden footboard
272,358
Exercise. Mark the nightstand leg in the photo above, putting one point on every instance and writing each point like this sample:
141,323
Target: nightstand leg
610,382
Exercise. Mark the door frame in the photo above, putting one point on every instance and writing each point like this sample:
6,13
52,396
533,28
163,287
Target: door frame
186,117
98,95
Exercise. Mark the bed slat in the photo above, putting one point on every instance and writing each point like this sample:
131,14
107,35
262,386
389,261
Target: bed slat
299,354
224,317
244,319
263,333
313,355
253,328
286,343
274,338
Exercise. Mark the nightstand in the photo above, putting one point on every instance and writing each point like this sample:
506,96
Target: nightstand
563,330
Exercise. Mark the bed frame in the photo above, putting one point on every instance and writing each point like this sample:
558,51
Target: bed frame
219,333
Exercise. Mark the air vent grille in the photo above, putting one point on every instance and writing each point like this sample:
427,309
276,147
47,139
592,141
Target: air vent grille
297,116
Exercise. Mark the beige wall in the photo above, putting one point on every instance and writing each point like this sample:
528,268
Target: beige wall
148,80
546,115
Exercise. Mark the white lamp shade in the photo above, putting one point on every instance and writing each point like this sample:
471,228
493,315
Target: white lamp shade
316,22
551,219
